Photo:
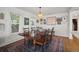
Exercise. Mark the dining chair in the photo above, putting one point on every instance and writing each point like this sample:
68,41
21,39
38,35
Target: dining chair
47,39
52,32
27,40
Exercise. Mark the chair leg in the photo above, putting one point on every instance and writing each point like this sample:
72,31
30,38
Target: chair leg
42,48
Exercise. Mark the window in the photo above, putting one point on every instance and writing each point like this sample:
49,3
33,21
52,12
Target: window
1,15
26,21
2,27
15,22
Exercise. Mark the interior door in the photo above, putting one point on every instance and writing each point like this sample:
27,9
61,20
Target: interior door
75,24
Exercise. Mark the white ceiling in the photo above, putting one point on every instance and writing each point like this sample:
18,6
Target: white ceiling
45,10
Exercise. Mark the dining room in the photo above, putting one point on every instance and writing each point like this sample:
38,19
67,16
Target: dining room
36,29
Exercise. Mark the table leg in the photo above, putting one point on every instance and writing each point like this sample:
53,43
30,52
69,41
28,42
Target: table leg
34,45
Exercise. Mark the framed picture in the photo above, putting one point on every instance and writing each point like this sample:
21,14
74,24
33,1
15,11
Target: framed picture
37,21
1,15
45,22
26,21
51,20
32,22
59,20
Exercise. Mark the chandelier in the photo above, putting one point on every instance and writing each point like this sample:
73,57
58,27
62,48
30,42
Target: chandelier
40,14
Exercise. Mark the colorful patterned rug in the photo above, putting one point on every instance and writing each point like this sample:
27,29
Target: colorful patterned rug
56,45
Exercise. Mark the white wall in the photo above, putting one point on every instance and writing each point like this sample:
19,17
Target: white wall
74,13
60,30
16,11
6,36
63,29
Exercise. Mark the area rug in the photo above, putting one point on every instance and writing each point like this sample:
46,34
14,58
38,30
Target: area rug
56,45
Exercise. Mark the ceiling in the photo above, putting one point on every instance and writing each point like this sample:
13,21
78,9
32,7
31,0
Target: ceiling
45,10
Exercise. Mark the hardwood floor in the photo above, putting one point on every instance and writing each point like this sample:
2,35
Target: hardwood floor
71,45
56,45
12,46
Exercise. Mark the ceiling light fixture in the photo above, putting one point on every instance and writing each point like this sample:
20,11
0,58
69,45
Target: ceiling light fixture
40,14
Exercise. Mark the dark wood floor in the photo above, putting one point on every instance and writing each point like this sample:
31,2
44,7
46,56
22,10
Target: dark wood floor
12,45
21,42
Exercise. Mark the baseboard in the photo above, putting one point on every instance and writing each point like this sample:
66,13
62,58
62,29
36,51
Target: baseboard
62,36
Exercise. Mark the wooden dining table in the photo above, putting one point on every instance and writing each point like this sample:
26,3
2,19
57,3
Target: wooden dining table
38,39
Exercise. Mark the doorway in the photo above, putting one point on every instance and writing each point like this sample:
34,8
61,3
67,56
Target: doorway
74,24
